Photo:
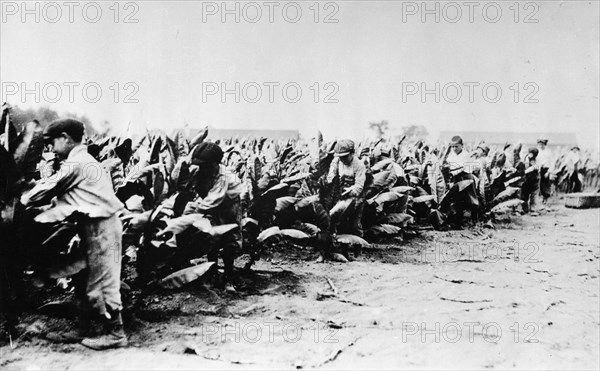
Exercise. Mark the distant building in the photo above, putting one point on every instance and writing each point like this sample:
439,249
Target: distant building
498,138
214,134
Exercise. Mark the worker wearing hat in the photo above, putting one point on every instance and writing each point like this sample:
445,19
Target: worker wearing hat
545,160
82,192
509,153
573,164
530,186
351,175
481,160
218,196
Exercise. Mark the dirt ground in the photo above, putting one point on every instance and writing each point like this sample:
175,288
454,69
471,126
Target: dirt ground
524,295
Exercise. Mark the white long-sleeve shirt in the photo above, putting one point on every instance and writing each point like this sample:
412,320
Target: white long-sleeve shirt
227,186
461,162
545,158
355,169
81,185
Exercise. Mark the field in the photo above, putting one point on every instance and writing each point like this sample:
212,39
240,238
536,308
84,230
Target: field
523,295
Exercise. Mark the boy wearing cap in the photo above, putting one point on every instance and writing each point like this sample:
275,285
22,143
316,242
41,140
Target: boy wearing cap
218,193
82,191
461,166
352,175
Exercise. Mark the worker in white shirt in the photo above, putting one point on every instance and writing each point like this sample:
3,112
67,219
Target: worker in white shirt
82,191
461,166
351,173
573,163
459,160
545,161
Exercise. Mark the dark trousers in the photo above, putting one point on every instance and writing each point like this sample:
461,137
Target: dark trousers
545,183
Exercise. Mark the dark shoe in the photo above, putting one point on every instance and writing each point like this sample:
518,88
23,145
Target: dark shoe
108,341
114,336
229,287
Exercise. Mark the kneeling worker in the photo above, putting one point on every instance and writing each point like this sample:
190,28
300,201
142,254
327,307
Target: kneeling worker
218,196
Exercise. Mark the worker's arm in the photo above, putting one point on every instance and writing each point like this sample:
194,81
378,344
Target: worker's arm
214,198
333,170
64,179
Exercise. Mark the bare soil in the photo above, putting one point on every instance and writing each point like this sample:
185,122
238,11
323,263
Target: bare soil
523,295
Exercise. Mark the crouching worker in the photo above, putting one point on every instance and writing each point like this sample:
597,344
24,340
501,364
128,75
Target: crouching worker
219,198
82,191
351,175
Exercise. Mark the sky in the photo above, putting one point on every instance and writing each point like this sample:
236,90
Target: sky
353,62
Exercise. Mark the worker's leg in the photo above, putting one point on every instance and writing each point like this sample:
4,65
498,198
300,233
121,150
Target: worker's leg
103,243
231,243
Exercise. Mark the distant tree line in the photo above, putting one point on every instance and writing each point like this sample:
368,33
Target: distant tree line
45,115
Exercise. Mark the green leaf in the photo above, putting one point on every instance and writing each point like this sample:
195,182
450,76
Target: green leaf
249,221
423,199
508,206
337,257
29,149
352,240
307,201
204,226
308,228
182,223
294,233
385,197
341,208
269,233
276,190
159,187
199,138
60,238
282,203
155,150
185,276
384,230
511,192
296,178
399,219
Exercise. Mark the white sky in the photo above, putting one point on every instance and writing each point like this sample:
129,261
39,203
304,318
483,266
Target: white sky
368,54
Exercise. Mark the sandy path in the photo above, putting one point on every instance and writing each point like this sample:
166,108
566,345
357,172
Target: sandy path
524,296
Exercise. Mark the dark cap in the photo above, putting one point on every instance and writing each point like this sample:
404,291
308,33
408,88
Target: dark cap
543,141
456,140
73,128
534,152
206,152
344,147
